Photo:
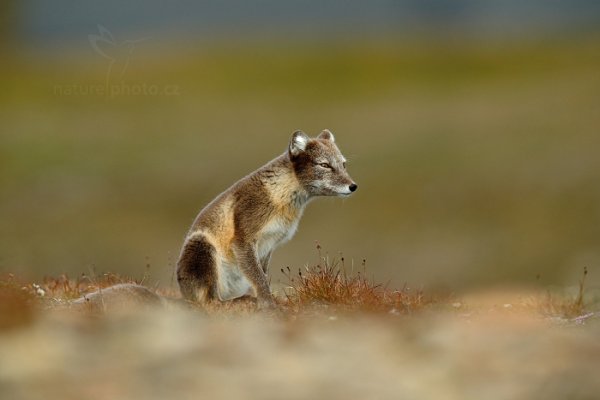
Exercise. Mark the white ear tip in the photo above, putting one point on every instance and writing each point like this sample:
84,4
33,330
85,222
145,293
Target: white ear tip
299,142
300,139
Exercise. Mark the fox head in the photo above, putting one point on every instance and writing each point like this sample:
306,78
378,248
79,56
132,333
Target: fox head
319,165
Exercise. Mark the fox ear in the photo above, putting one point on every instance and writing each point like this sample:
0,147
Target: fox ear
327,135
298,143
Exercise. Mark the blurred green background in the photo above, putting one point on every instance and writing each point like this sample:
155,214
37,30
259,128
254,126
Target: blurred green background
472,129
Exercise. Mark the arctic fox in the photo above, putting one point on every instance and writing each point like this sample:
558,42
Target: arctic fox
227,250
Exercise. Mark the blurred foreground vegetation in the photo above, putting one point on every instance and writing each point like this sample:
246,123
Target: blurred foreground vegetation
477,162
337,334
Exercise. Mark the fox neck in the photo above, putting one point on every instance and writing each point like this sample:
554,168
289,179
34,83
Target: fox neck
299,198
286,191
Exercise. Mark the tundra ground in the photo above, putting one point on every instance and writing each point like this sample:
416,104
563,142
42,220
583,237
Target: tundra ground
337,335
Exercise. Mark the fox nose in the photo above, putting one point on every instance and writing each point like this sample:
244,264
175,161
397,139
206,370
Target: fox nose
353,187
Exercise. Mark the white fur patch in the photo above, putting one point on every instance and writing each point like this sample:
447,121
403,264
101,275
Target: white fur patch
276,232
231,282
299,142
342,190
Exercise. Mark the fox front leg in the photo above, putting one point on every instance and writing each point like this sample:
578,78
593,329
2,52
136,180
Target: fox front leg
264,262
250,266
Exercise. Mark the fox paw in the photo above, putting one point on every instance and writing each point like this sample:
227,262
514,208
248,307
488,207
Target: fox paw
267,304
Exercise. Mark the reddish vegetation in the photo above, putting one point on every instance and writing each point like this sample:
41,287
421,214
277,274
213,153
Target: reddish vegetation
16,304
329,283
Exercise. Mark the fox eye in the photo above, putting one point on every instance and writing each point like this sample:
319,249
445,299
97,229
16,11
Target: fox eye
344,165
325,165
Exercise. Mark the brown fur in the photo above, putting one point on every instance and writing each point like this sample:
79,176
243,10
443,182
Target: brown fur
230,243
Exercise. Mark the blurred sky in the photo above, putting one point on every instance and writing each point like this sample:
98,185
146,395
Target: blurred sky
42,23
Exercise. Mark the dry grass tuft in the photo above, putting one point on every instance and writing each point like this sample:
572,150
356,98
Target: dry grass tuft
328,283
565,306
